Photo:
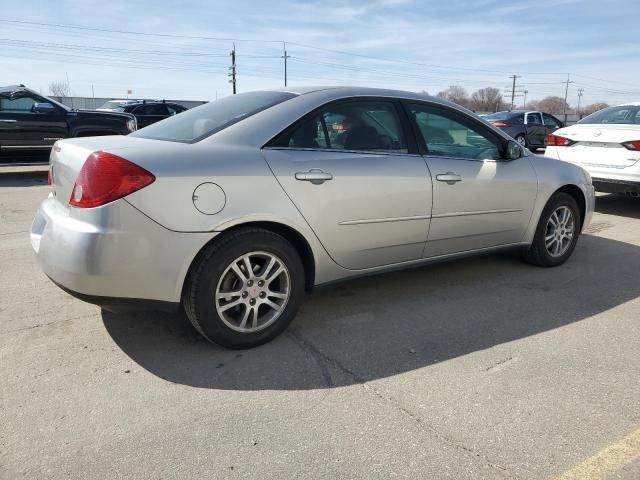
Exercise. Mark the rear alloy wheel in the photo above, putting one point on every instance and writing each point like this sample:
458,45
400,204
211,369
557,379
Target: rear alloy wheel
522,140
253,291
245,289
557,232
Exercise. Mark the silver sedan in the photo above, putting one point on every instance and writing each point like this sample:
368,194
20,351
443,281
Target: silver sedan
233,209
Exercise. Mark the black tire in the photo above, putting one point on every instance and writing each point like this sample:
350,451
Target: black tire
537,253
200,286
522,140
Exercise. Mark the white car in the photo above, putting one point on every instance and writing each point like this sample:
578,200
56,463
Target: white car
607,145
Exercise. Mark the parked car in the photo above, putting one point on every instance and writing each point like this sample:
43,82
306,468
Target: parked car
528,128
29,120
232,209
607,145
145,111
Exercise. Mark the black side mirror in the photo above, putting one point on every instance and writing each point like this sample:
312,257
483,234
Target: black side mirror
514,150
43,107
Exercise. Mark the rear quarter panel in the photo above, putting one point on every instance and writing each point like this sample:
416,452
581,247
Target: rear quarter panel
251,192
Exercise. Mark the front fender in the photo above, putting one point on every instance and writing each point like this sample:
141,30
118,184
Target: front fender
554,175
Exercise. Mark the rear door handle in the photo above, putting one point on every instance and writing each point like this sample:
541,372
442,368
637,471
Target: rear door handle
449,177
315,176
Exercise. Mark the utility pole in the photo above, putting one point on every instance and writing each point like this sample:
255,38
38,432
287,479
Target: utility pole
566,92
232,68
285,56
580,92
524,103
513,90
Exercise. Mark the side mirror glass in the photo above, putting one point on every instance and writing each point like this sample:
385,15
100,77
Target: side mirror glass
514,150
43,107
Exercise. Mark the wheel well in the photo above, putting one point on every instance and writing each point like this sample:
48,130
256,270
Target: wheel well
578,196
293,236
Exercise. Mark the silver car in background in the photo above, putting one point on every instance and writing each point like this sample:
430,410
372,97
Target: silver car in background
233,209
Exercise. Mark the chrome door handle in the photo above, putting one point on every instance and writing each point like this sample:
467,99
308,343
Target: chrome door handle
315,176
7,121
449,177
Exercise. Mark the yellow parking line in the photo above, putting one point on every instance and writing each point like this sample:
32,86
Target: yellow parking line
606,461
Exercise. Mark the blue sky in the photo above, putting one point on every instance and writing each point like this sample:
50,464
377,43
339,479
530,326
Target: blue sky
407,44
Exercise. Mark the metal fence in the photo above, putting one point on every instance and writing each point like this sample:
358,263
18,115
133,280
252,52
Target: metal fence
90,103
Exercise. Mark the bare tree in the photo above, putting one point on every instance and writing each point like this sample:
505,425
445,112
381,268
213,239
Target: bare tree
60,88
594,107
553,104
455,94
532,105
487,99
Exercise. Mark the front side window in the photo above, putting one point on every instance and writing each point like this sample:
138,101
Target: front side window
19,104
448,135
200,122
370,126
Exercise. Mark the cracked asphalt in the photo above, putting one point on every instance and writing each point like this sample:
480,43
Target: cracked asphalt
484,368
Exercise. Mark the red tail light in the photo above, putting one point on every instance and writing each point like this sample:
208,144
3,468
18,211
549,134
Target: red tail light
50,176
500,124
633,145
556,141
105,177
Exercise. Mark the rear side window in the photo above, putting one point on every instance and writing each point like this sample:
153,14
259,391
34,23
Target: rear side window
175,109
534,119
200,122
20,104
372,126
550,121
150,109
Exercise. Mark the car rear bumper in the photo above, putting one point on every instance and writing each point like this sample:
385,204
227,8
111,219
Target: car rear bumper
113,254
607,185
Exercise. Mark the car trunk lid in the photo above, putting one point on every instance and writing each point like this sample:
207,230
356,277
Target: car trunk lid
599,145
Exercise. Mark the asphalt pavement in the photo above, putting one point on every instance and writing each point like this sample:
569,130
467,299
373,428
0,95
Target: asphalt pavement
484,368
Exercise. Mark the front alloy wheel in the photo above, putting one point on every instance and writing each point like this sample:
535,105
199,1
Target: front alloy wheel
557,232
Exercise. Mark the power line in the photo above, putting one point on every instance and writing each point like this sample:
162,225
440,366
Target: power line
236,39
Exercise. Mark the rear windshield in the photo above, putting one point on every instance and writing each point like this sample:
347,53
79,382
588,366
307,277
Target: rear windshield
629,114
505,116
200,122
111,105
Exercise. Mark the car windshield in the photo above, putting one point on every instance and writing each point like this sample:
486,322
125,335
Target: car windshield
205,120
624,114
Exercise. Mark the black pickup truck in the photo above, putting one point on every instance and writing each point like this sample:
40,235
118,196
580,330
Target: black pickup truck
31,122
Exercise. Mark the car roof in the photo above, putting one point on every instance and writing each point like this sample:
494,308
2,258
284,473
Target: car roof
12,88
259,128
629,104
